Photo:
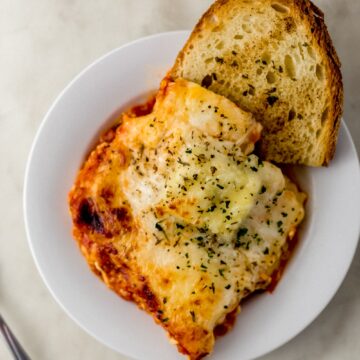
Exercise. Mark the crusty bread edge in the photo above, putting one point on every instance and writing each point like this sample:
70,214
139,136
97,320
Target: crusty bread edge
318,27
316,24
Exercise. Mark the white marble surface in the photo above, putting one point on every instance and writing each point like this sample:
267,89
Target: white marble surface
43,44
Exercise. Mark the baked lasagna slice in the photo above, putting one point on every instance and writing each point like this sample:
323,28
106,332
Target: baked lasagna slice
175,214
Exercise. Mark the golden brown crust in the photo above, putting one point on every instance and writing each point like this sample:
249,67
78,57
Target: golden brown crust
319,29
311,15
316,25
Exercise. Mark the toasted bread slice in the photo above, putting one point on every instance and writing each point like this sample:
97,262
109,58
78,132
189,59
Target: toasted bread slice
275,59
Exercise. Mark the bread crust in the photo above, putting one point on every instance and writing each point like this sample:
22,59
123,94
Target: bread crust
313,17
319,29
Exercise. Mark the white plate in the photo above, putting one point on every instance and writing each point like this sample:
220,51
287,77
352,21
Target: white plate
327,244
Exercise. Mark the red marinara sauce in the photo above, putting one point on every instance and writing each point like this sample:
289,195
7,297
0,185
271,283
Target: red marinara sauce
133,112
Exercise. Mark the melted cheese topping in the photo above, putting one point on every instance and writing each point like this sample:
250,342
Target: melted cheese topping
216,218
209,222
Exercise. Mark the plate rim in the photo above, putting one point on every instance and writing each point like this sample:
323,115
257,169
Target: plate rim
45,118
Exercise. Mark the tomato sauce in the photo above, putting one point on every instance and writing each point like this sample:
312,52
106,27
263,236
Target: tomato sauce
116,119
142,109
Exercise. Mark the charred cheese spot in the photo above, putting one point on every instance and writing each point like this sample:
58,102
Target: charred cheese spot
107,194
122,218
105,262
88,216
150,298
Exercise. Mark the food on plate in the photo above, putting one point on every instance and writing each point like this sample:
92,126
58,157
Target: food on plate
275,59
173,212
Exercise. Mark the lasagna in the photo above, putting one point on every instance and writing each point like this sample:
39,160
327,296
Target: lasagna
174,212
